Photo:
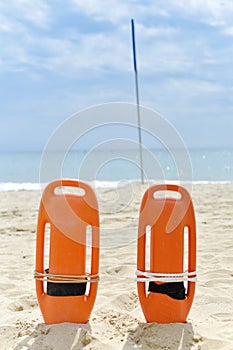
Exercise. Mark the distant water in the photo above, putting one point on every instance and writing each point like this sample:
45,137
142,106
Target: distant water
21,170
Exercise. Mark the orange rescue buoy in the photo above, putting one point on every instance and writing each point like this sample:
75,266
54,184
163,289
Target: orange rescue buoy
161,287
65,291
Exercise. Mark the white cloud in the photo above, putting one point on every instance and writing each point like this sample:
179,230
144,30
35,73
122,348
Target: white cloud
229,31
5,25
17,20
160,47
35,12
113,10
31,40
213,12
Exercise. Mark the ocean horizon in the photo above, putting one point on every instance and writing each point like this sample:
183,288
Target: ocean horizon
21,170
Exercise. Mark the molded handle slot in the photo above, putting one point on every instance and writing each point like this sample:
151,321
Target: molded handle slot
63,190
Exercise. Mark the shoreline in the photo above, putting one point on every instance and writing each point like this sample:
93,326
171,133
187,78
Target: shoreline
36,186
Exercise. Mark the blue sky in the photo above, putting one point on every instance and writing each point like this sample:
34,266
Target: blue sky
58,57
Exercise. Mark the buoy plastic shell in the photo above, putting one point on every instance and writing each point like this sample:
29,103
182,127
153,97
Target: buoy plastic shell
167,219
68,215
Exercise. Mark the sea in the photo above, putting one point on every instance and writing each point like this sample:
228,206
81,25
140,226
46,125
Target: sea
27,170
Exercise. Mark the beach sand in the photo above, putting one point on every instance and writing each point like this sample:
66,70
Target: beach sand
117,321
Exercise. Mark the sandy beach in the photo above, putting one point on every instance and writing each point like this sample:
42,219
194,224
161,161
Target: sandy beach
117,321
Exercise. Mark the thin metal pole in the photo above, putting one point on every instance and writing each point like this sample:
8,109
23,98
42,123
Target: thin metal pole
137,100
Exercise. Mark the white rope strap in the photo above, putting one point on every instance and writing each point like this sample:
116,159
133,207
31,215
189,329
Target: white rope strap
166,277
55,278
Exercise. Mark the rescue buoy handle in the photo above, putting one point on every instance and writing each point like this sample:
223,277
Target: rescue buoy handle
51,189
171,188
